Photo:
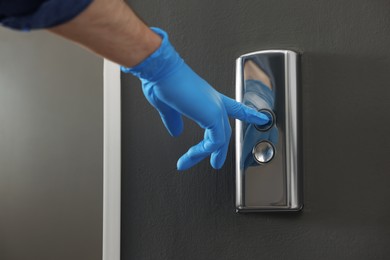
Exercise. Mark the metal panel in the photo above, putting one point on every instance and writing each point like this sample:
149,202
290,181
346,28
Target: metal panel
267,157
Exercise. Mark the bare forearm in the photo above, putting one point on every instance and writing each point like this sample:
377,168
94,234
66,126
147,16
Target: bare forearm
111,29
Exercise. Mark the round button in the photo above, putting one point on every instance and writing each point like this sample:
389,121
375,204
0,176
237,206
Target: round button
271,122
263,152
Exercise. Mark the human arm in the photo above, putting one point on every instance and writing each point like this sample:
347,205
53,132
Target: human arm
112,30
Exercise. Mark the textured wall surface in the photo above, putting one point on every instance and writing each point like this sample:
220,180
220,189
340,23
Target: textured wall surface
51,149
346,142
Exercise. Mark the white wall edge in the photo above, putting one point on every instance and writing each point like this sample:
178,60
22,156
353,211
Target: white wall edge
112,162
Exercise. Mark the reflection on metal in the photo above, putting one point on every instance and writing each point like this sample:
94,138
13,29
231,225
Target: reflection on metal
263,152
267,157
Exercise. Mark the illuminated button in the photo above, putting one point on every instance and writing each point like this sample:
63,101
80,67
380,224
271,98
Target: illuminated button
263,152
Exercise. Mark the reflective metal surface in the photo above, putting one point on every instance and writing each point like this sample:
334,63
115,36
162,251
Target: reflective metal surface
263,152
267,157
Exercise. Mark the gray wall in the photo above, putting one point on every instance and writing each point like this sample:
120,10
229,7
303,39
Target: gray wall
345,94
51,141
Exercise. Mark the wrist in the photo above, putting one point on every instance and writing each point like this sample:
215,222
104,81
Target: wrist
161,63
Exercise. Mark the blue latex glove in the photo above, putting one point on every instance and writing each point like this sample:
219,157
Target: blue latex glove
174,89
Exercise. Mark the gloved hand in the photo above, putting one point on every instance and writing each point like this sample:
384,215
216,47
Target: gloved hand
174,89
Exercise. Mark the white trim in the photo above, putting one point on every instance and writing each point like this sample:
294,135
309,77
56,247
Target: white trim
112,162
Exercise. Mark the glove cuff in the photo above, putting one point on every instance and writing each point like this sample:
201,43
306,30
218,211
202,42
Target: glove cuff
160,64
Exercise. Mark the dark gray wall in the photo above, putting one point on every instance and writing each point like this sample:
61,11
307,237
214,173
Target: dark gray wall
51,142
346,142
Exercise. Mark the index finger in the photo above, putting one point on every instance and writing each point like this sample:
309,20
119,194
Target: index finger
239,111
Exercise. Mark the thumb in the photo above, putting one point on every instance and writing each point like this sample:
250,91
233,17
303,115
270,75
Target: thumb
170,117
172,121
